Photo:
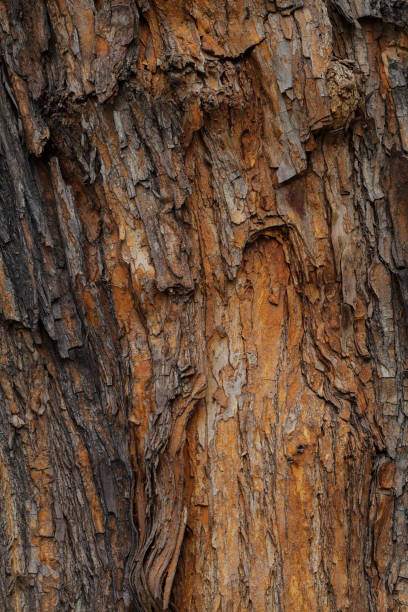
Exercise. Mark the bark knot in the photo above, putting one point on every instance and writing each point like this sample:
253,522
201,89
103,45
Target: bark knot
342,84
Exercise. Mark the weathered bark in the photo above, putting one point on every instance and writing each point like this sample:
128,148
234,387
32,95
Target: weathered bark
203,275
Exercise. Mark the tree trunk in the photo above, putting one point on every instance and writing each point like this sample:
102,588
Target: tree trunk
203,292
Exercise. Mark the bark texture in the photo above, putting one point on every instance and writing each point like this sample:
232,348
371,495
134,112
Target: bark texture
203,295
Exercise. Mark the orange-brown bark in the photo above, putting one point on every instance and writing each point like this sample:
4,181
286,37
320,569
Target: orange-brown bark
203,275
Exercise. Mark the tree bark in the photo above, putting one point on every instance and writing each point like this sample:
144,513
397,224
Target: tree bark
203,297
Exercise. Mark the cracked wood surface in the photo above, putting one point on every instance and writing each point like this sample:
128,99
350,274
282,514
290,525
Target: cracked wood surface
203,298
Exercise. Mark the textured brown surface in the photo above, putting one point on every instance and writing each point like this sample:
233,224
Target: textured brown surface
203,292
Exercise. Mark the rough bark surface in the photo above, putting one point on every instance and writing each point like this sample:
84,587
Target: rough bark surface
203,292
